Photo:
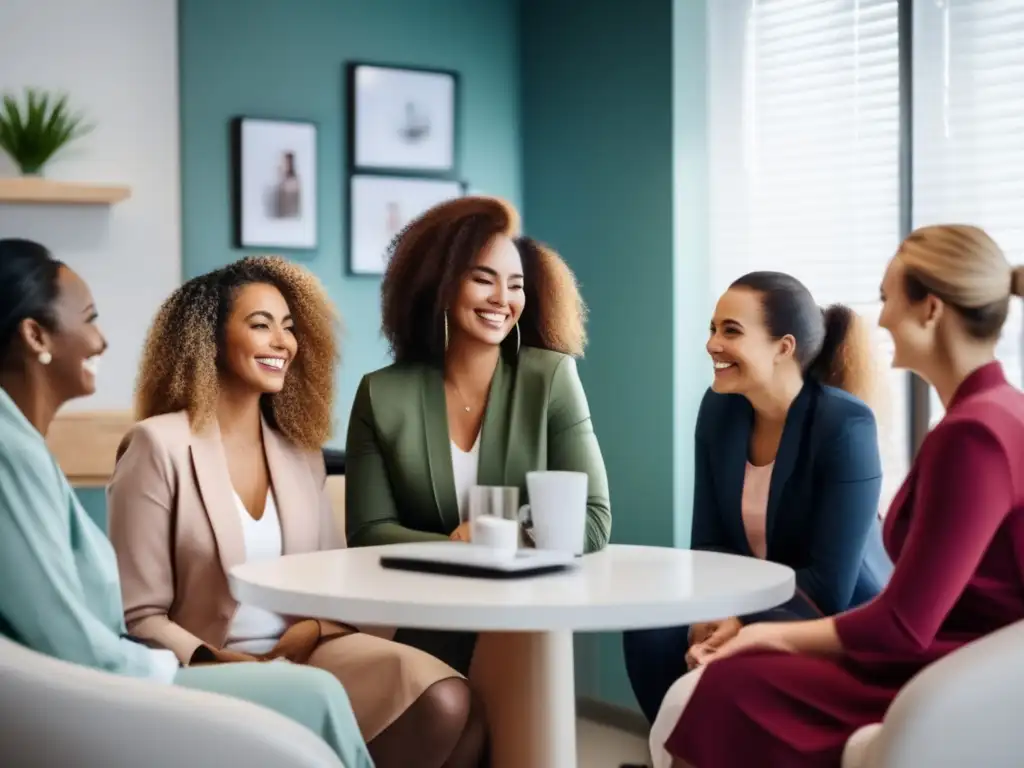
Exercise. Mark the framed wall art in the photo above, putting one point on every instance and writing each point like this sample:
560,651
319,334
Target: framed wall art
381,206
275,183
403,119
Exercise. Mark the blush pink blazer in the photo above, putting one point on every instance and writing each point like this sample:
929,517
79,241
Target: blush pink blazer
176,528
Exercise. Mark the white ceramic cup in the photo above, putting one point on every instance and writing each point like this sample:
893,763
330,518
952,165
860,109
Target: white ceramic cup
556,517
496,533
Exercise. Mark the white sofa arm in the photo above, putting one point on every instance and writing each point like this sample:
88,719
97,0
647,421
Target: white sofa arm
55,713
964,710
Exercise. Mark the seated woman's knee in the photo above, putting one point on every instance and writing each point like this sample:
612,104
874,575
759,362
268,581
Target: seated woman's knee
449,703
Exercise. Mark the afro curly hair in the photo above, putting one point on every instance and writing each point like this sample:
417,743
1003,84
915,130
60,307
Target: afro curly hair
433,254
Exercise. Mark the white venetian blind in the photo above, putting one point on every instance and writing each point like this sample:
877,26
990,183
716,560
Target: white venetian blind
804,156
968,115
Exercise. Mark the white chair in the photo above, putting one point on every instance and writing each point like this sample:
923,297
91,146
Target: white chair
964,710
53,713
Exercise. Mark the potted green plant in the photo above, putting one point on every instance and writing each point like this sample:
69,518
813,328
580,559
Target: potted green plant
32,131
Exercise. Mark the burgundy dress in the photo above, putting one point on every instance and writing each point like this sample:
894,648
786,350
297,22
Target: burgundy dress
955,532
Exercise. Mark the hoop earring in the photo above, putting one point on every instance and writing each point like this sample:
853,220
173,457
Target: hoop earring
446,330
45,358
519,338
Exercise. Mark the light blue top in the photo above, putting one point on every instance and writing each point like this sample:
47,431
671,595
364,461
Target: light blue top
60,591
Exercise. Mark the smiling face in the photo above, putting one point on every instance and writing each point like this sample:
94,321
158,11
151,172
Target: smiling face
259,341
490,300
912,325
744,355
76,343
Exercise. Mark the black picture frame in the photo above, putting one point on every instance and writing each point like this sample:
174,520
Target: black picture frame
289,219
367,246
368,149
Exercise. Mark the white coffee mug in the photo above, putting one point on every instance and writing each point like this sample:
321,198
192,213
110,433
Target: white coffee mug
499,535
556,517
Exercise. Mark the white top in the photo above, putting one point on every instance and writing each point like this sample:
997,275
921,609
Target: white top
254,630
464,470
609,591
757,483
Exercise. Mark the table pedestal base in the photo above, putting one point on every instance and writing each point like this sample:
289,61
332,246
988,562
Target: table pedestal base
527,683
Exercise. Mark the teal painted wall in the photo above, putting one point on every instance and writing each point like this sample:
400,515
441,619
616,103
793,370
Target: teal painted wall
589,115
272,58
614,177
94,502
597,185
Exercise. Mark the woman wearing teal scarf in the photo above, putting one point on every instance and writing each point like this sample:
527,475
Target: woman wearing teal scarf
61,592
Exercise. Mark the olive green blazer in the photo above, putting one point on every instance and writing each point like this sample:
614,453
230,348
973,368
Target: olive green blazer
399,485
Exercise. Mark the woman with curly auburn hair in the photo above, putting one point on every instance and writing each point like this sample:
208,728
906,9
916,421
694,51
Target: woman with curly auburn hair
225,466
484,325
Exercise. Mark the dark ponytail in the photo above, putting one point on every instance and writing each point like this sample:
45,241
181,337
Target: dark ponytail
833,345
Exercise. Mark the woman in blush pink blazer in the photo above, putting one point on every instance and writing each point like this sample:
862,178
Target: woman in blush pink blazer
225,467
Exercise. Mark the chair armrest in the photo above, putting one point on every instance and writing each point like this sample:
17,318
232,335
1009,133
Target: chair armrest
56,713
962,710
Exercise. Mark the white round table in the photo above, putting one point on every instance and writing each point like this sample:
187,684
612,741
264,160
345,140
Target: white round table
523,663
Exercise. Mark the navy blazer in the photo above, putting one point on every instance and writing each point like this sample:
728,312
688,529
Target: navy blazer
822,517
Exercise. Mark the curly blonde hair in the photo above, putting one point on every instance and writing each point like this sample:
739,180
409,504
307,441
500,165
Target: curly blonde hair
180,361
432,255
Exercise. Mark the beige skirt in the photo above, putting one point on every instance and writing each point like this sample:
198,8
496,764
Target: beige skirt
382,678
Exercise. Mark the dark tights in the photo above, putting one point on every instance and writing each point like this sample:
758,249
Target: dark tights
655,659
444,728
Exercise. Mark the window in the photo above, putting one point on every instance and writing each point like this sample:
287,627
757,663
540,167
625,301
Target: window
968,148
804,122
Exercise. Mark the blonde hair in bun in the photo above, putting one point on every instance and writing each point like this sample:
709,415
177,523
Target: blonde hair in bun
1017,281
965,268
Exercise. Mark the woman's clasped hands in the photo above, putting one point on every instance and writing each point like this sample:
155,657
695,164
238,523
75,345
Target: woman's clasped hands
712,641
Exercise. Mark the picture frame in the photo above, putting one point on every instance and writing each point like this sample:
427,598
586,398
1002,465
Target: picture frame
274,183
403,120
381,206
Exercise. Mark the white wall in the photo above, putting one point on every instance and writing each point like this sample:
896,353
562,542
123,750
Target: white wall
118,61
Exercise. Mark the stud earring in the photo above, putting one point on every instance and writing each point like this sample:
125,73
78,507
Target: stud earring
45,358
446,330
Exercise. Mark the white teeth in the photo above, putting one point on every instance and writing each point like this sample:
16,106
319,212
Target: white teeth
494,317
720,366
92,364
273,362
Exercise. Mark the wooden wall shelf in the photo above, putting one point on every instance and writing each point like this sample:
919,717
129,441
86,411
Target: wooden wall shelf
85,444
31,190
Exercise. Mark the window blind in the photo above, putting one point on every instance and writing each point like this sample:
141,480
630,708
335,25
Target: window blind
804,156
968,111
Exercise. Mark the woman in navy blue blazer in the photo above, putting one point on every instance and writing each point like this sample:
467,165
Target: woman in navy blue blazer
787,466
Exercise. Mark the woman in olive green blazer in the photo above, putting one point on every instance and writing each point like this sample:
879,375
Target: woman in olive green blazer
536,418
484,326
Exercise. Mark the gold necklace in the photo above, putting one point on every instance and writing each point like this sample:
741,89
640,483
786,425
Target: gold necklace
459,392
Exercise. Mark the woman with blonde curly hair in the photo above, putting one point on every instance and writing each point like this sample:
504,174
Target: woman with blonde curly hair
484,326
224,466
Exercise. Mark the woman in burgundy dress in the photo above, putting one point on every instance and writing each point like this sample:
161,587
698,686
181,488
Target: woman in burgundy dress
790,695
